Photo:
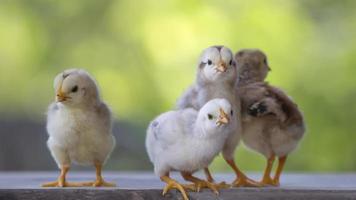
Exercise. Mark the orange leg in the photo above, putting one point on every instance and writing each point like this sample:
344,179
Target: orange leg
199,183
267,180
99,182
173,184
208,175
281,162
210,178
61,182
242,180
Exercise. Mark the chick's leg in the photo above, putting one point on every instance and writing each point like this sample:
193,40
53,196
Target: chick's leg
208,175
281,162
199,183
61,182
210,178
99,182
242,180
173,184
267,180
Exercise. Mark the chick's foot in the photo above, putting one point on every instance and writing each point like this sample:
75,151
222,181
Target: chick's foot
244,181
172,184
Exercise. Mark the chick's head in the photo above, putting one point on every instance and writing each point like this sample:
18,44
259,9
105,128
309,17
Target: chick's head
252,64
75,87
215,116
217,63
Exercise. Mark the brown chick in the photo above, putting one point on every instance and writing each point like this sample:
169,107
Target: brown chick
272,123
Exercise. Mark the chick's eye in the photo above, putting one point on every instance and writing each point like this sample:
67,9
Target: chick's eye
75,89
265,61
230,63
210,62
232,112
210,117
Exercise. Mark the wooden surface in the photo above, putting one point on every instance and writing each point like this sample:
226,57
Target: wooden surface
144,185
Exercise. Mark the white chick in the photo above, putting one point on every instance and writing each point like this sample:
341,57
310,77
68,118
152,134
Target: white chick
79,127
216,78
187,140
272,123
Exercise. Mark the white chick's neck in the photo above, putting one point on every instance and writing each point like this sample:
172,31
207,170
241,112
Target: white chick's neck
217,88
202,81
200,131
87,105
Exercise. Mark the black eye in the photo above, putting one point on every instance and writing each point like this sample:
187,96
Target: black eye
230,62
210,62
210,117
265,61
75,89
232,112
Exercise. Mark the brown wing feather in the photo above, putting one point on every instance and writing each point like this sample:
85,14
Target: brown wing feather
255,92
294,116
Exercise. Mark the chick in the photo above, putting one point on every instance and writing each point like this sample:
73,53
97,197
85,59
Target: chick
272,123
187,140
216,78
79,127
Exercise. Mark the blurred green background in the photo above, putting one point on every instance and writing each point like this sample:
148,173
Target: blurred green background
144,53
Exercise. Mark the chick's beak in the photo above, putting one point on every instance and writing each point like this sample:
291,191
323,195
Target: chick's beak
60,97
223,118
221,67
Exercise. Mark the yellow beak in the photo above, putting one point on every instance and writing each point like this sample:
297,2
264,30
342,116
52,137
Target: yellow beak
223,118
221,66
60,97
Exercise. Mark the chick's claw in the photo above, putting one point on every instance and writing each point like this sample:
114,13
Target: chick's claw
102,183
246,182
206,184
223,185
275,182
190,187
64,184
175,185
267,181
53,184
